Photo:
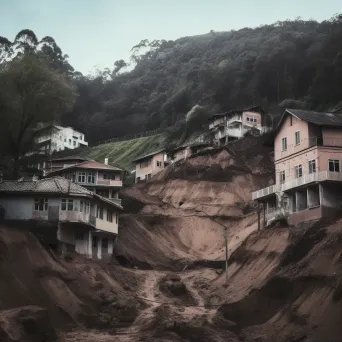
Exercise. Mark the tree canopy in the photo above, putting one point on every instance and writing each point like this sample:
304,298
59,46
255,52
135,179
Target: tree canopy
293,62
30,92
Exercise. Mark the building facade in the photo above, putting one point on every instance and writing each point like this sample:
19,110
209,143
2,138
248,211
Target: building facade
51,138
102,179
84,221
183,152
307,158
149,165
235,124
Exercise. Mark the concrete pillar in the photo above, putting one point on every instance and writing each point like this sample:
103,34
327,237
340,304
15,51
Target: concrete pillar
99,247
90,250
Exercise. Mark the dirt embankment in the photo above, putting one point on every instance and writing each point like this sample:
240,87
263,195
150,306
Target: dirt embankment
283,284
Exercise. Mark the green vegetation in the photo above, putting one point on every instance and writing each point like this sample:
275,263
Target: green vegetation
122,153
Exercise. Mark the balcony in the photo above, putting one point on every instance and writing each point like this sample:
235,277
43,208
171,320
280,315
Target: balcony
116,200
304,180
264,192
109,182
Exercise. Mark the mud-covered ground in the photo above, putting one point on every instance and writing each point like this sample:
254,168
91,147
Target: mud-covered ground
166,281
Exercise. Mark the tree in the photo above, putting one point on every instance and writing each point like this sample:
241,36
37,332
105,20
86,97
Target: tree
30,92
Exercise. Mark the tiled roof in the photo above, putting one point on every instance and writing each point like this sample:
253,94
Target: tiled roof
316,118
93,165
47,185
149,155
54,185
234,111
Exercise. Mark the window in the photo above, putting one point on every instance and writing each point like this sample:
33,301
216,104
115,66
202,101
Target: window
74,143
73,177
69,141
247,118
81,177
284,144
67,204
290,120
282,177
76,206
299,171
60,137
79,236
65,140
41,204
297,137
87,209
334,165
91,177
82,206
145,163
100,213
104,243
159,163
312,166
109,216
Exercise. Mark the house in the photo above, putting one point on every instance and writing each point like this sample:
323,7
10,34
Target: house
54,164
50,138
103,179
307,158
149,165
185,151
233,125
80,219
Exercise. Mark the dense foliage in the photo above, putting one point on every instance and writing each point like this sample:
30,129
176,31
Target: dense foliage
297,63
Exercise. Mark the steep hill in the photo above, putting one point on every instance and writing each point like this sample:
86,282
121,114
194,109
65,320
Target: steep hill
297,62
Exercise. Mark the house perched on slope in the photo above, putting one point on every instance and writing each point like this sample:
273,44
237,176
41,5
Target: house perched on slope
150,164
307,158
233,125
103,179
50,138
83,220
185,151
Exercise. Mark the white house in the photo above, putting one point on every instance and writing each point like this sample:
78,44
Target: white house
50,138
85,222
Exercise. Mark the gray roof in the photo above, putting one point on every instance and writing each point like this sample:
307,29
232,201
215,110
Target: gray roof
71,158
48,185
316,118
149,155
54,185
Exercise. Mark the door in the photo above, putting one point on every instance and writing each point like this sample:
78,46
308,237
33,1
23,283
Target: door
53,213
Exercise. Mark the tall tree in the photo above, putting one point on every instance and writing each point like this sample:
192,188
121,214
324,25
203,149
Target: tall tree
30,92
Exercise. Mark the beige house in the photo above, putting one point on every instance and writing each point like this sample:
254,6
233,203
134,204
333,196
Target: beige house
235,124
149,165
307,158
183,152
79,219
103,179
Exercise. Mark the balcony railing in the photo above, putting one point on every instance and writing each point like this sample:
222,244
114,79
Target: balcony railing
264,192
305,179
116,200
109,182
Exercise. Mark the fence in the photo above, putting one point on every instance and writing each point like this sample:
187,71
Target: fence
130,137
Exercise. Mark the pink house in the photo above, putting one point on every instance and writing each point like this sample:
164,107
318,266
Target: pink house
307,158
233,125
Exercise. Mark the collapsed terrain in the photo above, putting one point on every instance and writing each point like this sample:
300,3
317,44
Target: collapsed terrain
167,280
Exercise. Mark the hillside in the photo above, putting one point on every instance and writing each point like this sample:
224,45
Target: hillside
291,63
166,282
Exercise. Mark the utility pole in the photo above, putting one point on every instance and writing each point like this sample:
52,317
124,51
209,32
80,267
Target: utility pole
225,238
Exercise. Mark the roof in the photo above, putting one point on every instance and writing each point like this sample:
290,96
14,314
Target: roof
195,144
54,185
234,111
149,155
91,164
316,118
71,158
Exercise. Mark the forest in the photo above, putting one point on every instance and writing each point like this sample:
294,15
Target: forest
294,63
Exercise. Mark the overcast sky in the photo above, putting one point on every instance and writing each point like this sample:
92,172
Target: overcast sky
95,33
